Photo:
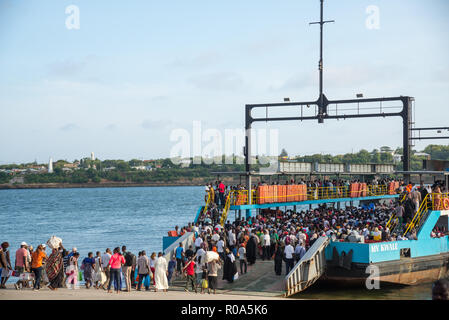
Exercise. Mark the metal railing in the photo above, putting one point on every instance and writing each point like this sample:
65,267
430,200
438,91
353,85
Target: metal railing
240,197
432,201
224,214
209,199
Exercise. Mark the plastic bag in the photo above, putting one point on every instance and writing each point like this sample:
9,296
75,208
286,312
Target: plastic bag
70,269
204,284
54,242
236,276
45,277
210,256
147,282
80,276
26,276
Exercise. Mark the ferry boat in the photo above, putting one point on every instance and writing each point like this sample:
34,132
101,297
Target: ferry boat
404,262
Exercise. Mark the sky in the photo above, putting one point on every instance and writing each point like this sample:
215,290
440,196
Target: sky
135,71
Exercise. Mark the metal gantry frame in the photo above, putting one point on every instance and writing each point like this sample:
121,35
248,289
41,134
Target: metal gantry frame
322,114
322,103
405,114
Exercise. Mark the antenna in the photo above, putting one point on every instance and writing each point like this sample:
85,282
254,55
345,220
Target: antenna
322,101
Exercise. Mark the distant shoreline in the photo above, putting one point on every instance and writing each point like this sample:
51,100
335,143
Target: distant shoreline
91,185
190,183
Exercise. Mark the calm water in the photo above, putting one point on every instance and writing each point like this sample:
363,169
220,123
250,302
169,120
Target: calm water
98,218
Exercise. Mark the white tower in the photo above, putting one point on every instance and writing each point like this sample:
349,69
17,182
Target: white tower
92,156
50,166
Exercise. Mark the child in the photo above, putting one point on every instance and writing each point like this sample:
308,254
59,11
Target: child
171,268
199,272
204,279
72,271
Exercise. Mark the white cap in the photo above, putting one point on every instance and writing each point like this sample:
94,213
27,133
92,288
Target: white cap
74,249
24,244
43,245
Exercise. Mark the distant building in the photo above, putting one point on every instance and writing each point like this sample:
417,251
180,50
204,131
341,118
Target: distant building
142,168
50,166
422,154
92,156
71,165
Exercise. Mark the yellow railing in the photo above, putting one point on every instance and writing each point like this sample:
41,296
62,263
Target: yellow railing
423,208
392,222
432,201
240,197
209,198
224,214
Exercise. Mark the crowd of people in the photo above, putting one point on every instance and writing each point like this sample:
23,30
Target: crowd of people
118,269
285,237
282,237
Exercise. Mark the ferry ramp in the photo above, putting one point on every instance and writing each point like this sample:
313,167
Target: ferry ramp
260,280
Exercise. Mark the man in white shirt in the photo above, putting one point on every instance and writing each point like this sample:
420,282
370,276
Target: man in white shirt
266,246
198,242
104,264
231,238
200,253
289,258
220,248
215,237
242,259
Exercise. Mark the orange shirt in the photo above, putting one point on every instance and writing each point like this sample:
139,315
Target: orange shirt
37,258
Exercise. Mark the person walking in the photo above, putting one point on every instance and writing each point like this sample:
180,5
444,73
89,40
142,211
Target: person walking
221,190
99,273
399,211
152,265
288,252
143,269
21,264
6,265
88,266
212,275
266,246
54,268
116,262
229,267
278,258
242,259
251,248
160,273
300,251
179,254
37,260
189,269
128,267
72,271
171,268
106,268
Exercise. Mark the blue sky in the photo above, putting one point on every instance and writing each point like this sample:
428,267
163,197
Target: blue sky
135,70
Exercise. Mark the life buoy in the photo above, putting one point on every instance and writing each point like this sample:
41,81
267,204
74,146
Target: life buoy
446,203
